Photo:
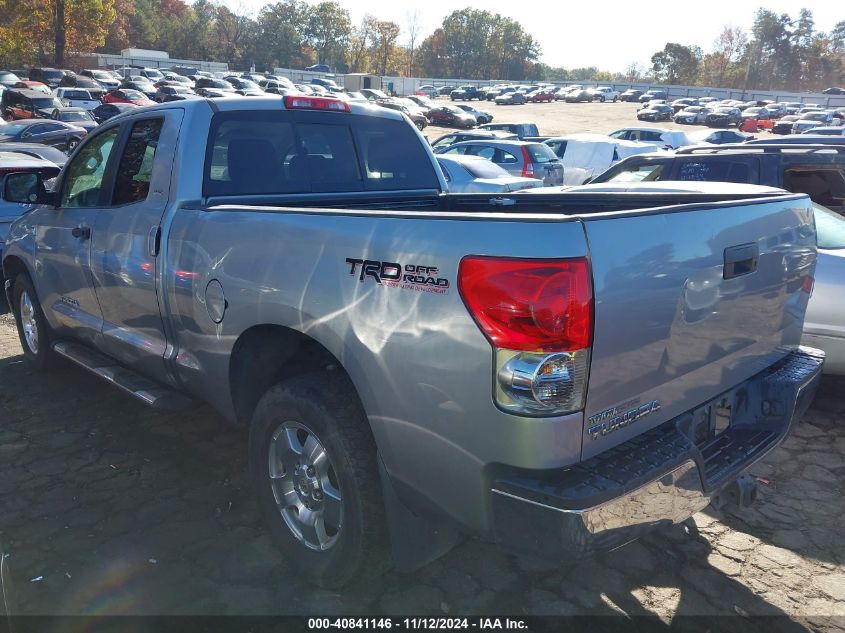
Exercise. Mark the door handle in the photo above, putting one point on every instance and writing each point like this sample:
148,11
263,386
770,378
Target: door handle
81,231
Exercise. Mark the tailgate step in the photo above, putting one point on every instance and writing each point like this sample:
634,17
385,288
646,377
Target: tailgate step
148,391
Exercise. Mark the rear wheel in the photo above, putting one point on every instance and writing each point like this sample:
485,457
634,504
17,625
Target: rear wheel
33,330
313,463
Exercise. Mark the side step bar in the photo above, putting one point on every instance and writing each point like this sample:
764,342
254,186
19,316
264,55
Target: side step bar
147,391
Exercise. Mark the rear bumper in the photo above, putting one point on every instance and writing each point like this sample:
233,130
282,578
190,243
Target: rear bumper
658,478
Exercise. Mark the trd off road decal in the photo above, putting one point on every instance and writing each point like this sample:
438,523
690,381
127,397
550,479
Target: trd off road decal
395,275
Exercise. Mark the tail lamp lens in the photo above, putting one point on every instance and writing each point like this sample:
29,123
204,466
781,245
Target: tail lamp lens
530,305
528,165
538,315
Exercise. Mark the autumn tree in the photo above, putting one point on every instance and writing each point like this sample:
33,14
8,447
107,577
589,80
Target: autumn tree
676,63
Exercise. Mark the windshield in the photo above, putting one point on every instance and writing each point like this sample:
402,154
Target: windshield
133,95
484,169
815,116
46,102
75,116
53,74
9,77
154,74
830,227
99,75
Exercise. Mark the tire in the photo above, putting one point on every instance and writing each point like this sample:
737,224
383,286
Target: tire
615,99
322,407
602,99
33,330
71,144
420,126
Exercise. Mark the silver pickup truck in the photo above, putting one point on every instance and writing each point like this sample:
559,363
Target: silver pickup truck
556,372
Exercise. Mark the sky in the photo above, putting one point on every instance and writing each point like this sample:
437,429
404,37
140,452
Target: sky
609,34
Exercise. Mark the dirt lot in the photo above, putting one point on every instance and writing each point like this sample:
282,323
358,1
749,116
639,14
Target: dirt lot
111,508
565,118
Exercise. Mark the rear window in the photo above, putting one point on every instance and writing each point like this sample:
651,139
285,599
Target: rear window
484,169
541,153
283,152
717,171
76,94
830,228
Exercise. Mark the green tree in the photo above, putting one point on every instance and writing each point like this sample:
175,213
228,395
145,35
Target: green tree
329,31
676,64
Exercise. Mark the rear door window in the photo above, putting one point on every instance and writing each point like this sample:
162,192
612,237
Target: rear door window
830,228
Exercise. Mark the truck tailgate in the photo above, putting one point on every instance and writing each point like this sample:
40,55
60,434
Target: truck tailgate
690,301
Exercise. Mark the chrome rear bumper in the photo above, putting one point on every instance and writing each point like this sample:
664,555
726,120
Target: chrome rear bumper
658,478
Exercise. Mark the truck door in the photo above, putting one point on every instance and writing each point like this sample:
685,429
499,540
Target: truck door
63,278
125,246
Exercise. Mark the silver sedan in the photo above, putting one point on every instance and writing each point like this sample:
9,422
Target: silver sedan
474,174
824,325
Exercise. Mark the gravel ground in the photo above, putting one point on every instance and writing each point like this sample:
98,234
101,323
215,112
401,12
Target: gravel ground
112,508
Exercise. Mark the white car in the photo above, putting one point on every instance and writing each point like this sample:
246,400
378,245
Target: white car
474,174
692,115
587,155
77,98
658,137
604,93
819,118
835,130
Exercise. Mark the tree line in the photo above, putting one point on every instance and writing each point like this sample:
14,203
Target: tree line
778,53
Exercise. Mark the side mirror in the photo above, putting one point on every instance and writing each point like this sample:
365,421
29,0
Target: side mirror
26,188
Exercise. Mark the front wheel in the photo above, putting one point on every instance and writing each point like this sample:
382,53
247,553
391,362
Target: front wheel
313,463
33,330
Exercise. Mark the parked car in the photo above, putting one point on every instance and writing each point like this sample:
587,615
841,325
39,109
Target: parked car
373,94
824,324
682,104
799,139
142,85
76,97
105,111
481,116
510,98
757,113
179,79
651,95
519,158
719,137
8,78
150,74
456,137
490,95
63,136
540,96
784,124
814,119
426,104
85,83
833,91
272,86
490,341
80,117
319,68
50,76
37,150
417,118
216,93
586,155
692,115
604,93
426,90
245,87
659,137
13,162
124,95
105,79
522,129
25,104
724,117
631,94
217,84
657,112
451,115
465,93
475,174
836,130
579,96
33,85
174,93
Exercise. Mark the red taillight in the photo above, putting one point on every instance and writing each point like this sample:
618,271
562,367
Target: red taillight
807,284
530,304
528,168
300,102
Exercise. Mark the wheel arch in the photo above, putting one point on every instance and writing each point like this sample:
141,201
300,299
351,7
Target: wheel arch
265,354
14,266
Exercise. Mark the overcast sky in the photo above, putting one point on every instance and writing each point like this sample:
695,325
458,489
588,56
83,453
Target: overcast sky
609,34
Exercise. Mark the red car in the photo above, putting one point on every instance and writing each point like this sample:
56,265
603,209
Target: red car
539,96
127,96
